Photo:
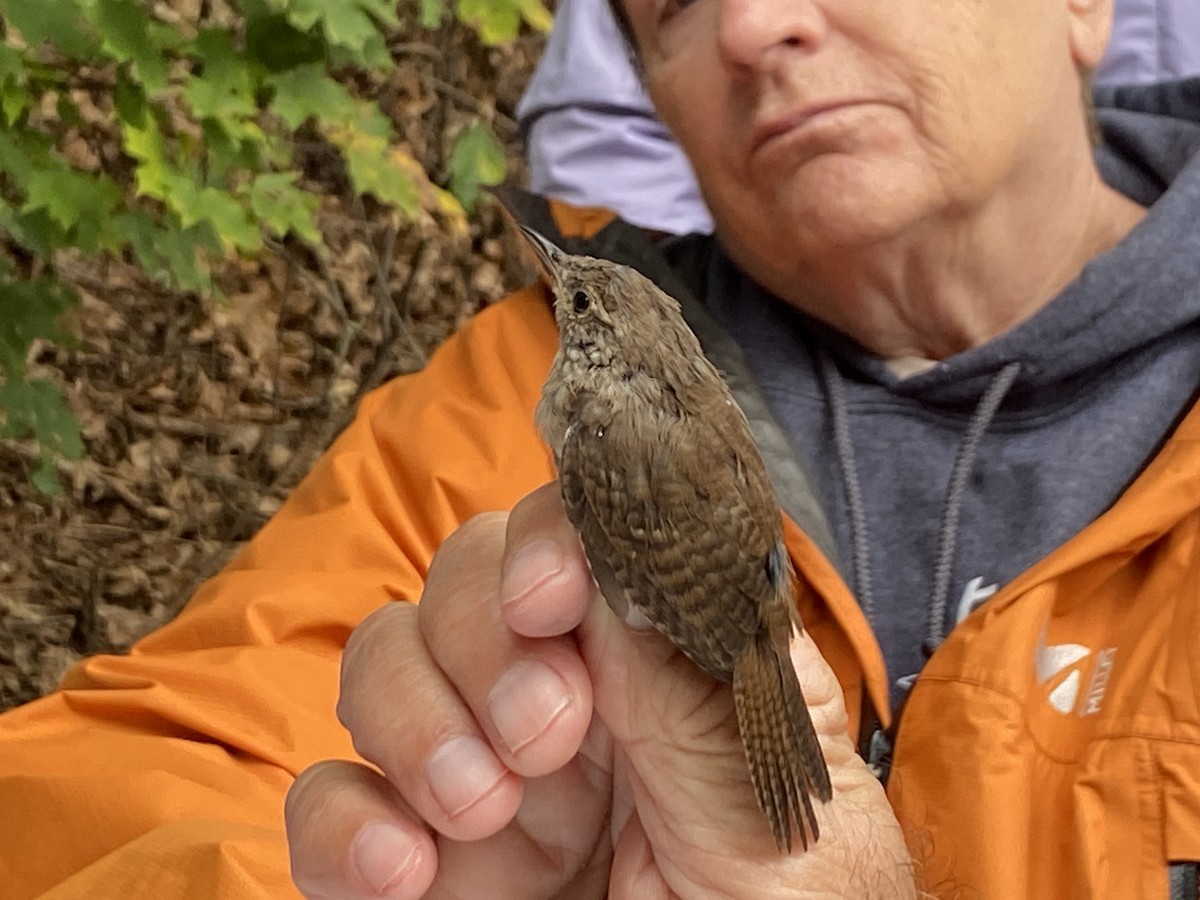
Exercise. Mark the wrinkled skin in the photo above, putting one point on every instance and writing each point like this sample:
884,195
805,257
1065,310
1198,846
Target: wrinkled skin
913,148
604,763
528,744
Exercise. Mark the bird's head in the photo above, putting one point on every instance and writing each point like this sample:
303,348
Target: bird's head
607,313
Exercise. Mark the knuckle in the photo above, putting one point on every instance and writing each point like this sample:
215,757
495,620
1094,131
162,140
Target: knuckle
463,579
480,527
378,626
451,627
540,512
375,639
466,561
308,794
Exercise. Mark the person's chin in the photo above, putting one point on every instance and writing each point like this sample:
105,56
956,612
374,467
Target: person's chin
842,168
844,203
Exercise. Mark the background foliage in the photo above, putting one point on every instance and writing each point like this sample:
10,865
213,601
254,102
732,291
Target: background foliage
183,136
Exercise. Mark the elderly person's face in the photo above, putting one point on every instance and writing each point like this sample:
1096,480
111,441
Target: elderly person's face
823,124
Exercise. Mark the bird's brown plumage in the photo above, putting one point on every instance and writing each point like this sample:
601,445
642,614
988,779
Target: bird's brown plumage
663,481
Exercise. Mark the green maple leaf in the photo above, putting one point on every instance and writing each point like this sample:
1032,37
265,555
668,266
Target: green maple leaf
15,96
499,21
54,21
38,409
70,196
169,255
374,169
203,205
12,64
125,28
35,231
349,28
18,152
283,207
145,143
477,159
15,99
273,41
345,23
28,310
308,91
226,87
432,13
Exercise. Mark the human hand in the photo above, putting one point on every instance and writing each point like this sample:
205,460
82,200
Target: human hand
532,745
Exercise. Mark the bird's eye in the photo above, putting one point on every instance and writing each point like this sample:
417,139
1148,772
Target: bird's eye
581,302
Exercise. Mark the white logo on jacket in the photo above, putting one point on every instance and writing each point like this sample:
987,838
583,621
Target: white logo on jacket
973,595
1052,659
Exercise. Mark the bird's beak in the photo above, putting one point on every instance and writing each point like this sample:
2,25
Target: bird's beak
549,257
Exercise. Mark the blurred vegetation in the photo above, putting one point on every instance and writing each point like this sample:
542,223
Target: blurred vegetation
181,135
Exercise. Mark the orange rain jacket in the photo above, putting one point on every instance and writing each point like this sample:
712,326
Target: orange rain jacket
1050,748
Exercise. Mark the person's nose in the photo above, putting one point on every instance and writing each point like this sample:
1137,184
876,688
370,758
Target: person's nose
751,33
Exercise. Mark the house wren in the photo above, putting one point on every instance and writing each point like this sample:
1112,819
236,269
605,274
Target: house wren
662,479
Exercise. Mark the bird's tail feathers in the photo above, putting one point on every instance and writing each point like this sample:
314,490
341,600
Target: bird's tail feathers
787,766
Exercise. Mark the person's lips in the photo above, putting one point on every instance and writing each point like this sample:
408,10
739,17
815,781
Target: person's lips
787,123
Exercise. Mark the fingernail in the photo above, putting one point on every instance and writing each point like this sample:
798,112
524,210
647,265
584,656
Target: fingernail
461,772
382,854
525,701
531,566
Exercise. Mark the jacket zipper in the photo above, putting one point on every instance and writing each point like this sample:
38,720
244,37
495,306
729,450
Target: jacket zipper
1184,880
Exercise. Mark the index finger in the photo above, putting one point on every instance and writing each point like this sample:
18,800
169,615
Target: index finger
546,584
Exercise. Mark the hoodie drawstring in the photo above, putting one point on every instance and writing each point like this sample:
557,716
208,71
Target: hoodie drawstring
948,532
964,461
860,541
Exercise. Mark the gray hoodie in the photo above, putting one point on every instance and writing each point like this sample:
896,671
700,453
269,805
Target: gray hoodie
930,492
940,487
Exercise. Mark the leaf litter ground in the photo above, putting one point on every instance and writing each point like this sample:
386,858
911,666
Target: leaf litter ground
201,415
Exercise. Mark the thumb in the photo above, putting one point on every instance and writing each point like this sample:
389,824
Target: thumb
677,734
678,728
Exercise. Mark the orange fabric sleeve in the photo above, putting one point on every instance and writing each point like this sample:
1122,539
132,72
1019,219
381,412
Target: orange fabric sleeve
162,773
